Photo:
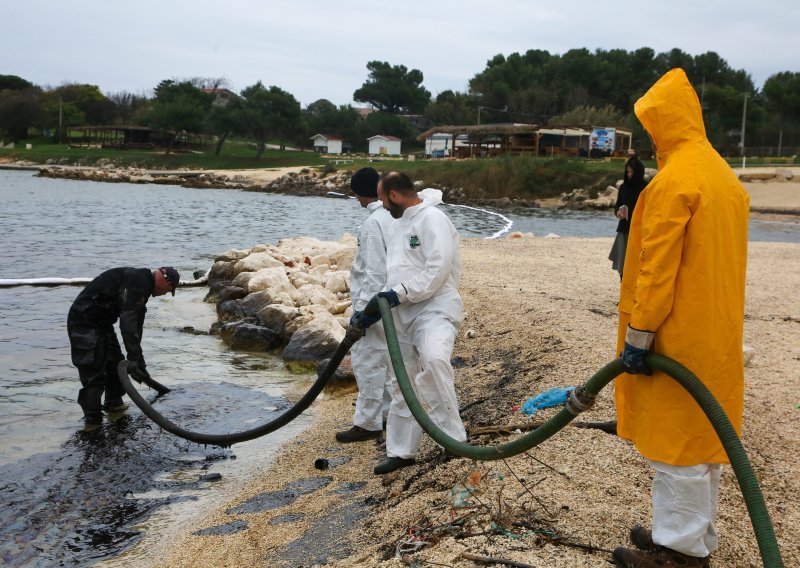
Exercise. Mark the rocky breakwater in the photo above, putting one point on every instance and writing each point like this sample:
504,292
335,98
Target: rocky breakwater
324,182
293,297
779,175
112,174
580,198
330,183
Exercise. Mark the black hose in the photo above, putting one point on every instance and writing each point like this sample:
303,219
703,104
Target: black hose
148,380
227,440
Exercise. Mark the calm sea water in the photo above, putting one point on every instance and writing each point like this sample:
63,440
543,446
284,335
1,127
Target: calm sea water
74,500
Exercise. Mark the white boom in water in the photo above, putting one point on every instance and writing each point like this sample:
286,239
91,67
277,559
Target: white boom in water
10,282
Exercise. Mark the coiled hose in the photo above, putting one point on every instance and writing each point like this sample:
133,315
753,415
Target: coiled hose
582,399
227,440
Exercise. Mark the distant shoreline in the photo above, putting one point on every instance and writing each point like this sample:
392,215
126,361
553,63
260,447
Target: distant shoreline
769,200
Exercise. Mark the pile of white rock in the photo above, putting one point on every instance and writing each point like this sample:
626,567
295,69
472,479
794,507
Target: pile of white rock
294,295
580,198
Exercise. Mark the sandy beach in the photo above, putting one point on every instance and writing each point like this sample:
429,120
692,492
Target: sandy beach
540,313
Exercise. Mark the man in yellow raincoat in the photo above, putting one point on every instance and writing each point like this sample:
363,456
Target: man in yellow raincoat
682,295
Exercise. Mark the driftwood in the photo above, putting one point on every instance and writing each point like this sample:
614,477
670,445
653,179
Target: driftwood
608,427
491,560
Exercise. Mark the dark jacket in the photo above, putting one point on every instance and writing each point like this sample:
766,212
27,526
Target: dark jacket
119,293
629,191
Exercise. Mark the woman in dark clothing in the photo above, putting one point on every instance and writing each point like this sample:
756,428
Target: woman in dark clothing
628,194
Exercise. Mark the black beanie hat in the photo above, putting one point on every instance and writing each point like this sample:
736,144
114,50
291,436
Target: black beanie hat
365,182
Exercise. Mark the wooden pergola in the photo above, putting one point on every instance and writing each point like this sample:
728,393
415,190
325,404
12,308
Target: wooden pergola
486,140
113,136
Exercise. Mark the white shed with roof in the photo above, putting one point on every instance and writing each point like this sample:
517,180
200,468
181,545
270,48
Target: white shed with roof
327,143
384,145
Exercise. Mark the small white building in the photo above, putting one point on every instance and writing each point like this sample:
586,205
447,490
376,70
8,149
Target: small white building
384,145
327,144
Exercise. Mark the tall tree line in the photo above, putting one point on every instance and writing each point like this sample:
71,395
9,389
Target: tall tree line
574,88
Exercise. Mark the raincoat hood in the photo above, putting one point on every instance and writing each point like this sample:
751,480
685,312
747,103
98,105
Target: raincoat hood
636,181
670,112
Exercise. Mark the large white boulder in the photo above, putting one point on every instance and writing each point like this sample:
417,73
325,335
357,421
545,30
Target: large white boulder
316,340
276,316
273,279
232,254
255,262
337,281
242,279
301,277
313,294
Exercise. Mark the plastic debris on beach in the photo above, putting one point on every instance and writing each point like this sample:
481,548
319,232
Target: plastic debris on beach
547,399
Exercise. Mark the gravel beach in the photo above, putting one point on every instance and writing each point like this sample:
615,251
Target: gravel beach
540,313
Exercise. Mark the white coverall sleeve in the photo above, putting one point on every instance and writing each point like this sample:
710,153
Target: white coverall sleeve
438,255
373,247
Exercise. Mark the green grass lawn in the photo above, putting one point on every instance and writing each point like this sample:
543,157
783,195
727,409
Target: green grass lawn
235,155
768,162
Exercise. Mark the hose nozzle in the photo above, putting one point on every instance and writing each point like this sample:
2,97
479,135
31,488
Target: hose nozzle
579,401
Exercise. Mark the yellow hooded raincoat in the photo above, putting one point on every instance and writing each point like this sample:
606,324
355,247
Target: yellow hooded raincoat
684,280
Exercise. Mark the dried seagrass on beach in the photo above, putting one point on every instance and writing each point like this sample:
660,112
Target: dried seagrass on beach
542,314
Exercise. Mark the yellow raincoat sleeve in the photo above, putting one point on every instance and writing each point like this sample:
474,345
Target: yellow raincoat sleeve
666,214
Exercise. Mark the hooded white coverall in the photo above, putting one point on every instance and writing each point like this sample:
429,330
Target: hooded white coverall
684,280
424,269
369,354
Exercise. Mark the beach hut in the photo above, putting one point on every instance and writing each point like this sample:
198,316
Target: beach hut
384,145
327,143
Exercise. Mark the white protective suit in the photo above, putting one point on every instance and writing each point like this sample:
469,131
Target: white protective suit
369,354
424,269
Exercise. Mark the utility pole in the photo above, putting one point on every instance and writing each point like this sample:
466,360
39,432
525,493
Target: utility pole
702,93
744,117
60,127
780,142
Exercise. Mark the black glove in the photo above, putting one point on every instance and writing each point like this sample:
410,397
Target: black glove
637,347
390,295
138,371
370,315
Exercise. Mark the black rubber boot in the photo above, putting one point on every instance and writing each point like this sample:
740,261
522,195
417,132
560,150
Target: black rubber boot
357,434
114,405
642,538
392,464
89,399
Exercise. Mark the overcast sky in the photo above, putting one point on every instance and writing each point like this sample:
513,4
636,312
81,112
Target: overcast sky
319,49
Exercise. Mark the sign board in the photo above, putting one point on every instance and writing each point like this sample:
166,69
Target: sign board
602,140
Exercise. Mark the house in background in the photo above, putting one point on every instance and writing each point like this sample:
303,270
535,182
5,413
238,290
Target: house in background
384,145
364,112
221,96
327,144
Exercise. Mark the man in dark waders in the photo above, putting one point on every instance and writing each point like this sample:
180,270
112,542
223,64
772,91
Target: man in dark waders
119,293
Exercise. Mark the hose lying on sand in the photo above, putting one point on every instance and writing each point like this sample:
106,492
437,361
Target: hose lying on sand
227,440
582,399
